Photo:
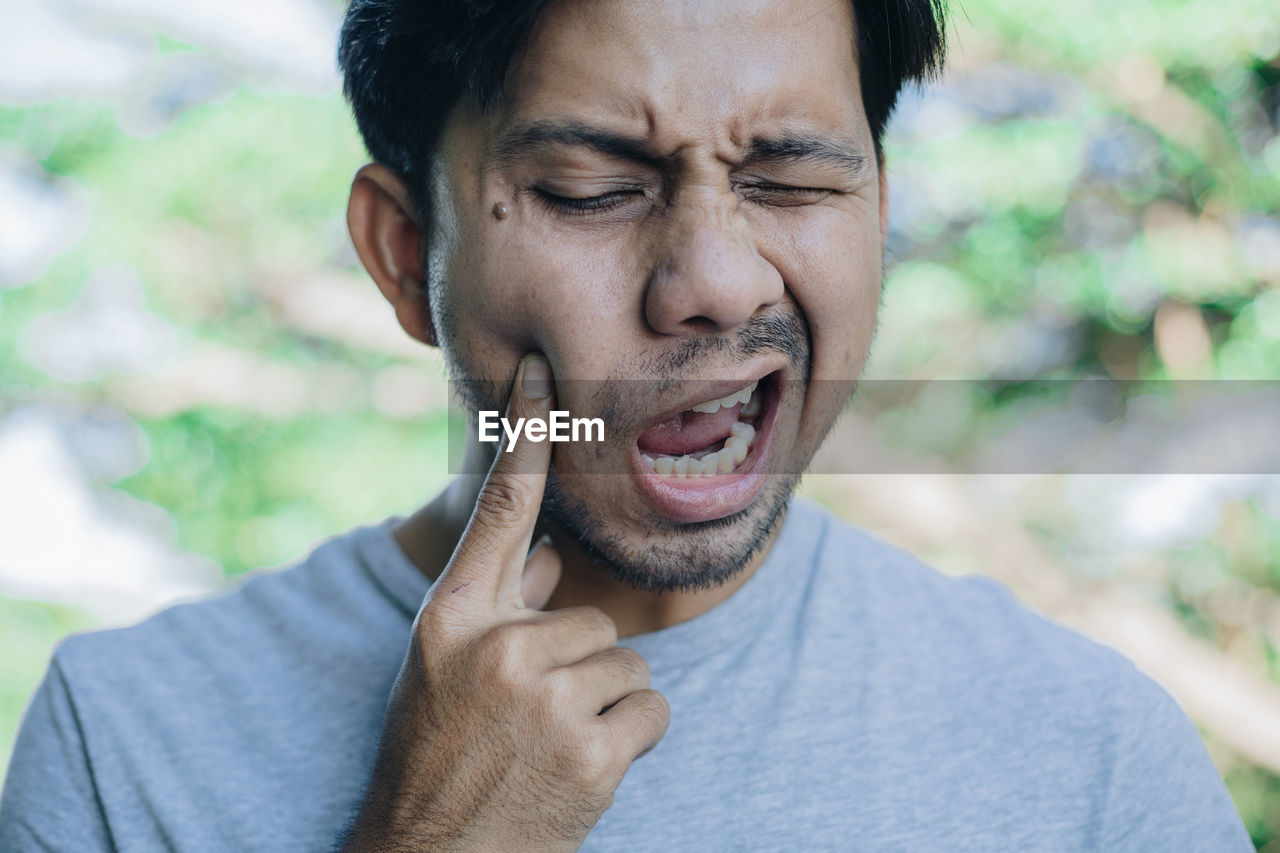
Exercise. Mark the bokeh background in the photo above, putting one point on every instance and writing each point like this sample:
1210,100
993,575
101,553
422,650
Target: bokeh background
197,380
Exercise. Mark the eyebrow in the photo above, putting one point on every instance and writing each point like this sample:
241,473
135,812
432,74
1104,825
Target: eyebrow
532,137
529,138
840,154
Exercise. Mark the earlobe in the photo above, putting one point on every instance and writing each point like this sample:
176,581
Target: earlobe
387,237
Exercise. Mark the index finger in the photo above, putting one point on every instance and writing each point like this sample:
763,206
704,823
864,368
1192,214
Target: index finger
487,565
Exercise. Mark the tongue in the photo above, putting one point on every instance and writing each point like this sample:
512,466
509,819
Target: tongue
689,432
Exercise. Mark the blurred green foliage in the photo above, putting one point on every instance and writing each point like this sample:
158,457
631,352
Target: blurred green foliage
258,494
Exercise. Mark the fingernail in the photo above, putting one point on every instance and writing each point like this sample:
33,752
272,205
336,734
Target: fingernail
535,377
545,539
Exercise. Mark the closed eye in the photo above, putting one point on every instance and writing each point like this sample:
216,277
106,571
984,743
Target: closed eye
779,195
582,206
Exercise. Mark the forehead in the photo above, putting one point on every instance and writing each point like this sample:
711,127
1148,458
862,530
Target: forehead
685,72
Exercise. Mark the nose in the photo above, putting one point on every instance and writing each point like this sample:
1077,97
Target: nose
709,276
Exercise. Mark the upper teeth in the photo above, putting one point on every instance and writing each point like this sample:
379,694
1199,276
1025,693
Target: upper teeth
725,402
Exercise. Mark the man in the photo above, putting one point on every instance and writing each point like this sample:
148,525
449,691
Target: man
668,215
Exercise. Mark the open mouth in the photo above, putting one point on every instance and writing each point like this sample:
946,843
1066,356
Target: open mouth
709,438
706,461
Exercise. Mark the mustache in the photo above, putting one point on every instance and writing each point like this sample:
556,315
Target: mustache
616,400
781,331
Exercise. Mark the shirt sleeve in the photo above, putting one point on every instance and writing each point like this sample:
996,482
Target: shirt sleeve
1166,793
50,800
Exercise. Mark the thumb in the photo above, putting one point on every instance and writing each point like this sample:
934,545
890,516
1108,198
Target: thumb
541,574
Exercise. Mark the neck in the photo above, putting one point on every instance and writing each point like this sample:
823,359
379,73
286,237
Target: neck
430,535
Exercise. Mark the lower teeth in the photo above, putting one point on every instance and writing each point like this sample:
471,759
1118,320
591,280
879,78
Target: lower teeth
722,461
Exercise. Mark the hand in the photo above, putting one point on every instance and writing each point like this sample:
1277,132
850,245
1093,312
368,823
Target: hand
508,728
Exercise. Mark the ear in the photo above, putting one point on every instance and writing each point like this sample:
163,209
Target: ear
388,239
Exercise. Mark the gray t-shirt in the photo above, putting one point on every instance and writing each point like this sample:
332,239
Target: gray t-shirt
847,697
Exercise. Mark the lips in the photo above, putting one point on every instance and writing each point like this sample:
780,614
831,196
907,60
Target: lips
723,454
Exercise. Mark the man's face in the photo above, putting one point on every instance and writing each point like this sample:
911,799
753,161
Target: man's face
675,199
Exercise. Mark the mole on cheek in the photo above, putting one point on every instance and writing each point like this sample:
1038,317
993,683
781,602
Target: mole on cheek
500,210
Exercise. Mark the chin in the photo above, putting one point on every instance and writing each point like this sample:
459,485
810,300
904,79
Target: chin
655,554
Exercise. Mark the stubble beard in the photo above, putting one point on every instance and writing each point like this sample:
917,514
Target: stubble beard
674,556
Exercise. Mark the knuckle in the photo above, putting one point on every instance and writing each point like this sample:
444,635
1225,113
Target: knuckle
428,634
634,663
501,654
595,619
592,761
554,694
432,620
443,618
501,498
655,708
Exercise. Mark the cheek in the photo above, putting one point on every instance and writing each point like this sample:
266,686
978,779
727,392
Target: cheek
523,284
833,271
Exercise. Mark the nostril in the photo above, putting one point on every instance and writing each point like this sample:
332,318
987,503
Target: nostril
702,324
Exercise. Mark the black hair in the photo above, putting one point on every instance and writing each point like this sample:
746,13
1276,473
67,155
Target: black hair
407,63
